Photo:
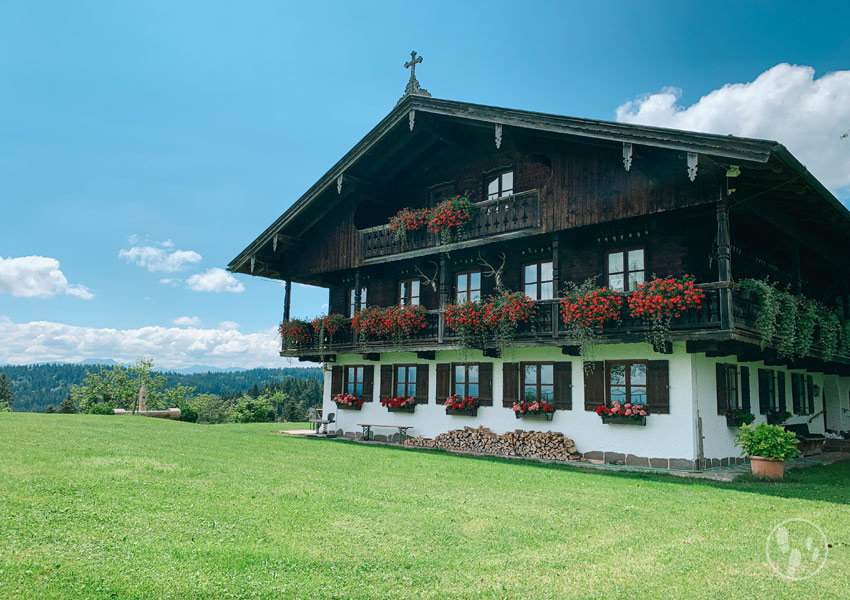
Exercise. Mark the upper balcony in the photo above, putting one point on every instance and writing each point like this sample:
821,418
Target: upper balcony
499,219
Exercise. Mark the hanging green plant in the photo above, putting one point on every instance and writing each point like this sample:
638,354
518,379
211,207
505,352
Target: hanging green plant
829,327
786,325
768,310
586,310
808,315
408,219
659,301
450,216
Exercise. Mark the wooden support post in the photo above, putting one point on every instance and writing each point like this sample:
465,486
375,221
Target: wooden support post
556,286
444,296
287,295
724,263
357,298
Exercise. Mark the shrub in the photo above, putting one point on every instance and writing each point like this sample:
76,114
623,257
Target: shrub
212,409
188,414
253,410
100,409
768,441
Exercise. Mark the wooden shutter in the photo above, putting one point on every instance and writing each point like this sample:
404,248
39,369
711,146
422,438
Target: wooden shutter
594,385
485,384
337,375
368,383
722,388
510,384
386,381
810,392
764,390
745,389
563,372
796,391
780,391
658,387
422,384
444,382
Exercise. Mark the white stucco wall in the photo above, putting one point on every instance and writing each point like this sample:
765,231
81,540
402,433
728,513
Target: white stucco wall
664,436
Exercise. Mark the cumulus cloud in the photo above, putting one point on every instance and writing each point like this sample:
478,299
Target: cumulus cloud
214,280
170,347
187,321
172,281
228,325
36,277
785,103
158,256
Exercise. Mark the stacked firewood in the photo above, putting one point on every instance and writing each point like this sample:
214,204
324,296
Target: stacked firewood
549,445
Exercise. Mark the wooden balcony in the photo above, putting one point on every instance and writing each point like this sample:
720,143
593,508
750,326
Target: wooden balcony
503,218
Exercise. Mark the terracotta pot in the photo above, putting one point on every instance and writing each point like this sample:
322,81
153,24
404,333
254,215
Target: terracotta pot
767,467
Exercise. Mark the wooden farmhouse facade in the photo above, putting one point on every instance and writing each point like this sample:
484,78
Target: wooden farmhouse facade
555,200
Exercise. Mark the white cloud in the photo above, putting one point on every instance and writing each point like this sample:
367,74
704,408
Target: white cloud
214,280
172,281
36,277
159,256
170,347
228,325
187,321
785,103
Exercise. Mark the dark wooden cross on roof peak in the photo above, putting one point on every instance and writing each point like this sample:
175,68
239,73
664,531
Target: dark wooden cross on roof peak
413,88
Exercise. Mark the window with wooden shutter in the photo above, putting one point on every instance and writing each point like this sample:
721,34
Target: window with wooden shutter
538,382
404,382
368,383
797,393
563,386
422,384
510,384
627,381
386,381
485,384
810,392
337,375
444,382
727,388
766,385
594,385
745,389
780,391
658,387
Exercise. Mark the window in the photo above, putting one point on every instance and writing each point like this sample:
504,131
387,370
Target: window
802,393
465,380
625,269
727,388
538,382
468,286
500,185
627,382
405,381
768,391
537,281
408,292
354,380
351,307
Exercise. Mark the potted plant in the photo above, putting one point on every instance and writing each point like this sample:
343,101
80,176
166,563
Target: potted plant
623,414
455,405
348,401
777,417
399,404
534,410
767,447
737,418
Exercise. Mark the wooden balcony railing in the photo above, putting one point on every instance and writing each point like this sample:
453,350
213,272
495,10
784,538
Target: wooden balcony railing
511,214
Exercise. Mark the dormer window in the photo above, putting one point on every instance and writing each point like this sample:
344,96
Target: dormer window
500,185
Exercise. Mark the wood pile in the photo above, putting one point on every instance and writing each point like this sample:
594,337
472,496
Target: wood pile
549,445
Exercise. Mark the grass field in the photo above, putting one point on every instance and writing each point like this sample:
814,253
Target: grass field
108,507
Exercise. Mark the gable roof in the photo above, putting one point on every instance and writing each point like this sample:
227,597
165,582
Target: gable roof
720,146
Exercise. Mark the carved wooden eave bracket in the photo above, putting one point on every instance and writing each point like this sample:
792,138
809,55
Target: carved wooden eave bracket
693,159
411,118
627,156
498,135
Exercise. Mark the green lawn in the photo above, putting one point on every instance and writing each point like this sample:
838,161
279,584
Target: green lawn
124,507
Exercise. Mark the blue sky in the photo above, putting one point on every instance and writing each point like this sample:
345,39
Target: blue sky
190,126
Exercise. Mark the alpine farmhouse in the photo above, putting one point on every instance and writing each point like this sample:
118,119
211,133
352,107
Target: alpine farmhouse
542,201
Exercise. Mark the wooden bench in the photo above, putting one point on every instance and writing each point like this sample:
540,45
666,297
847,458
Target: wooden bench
402,430
809,442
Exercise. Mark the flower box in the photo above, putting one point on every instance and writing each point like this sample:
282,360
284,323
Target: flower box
348,406
546,416
402,409
618,420
462,413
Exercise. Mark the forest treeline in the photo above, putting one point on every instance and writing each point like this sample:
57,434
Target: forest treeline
35,387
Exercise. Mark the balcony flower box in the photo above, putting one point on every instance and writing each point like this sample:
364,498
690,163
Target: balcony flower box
348,401
399,404
402,409
641,421
464,407
541,411
623,414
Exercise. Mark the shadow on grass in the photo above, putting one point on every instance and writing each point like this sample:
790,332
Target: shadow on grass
826,483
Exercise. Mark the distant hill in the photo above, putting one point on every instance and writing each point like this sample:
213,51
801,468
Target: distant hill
37,386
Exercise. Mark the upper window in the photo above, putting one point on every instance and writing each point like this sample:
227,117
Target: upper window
538,382
468,286
351,307
627,382
408,292
465,380
500,185
405,381
537,281
354,380
625,269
